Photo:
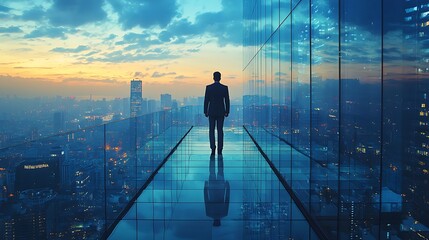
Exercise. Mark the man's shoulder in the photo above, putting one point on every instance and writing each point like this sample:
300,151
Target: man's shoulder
216,85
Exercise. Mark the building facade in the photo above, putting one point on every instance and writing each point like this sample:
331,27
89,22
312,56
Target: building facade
136,98
166,101
336,93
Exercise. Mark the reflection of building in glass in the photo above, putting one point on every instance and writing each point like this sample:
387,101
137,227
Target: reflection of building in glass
348,94
416,167
136,98
416,18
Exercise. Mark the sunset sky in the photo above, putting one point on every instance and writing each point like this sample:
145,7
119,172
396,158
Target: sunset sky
81,48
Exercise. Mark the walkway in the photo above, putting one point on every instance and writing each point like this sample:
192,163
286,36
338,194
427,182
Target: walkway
192,186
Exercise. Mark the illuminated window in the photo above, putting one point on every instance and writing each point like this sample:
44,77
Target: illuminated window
423,105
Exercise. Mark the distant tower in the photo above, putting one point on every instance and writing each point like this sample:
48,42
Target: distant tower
151,106
59,123
136,98
166,101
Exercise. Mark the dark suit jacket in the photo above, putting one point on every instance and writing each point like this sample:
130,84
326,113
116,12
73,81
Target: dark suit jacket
216,100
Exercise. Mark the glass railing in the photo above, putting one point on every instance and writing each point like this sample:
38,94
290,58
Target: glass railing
75,185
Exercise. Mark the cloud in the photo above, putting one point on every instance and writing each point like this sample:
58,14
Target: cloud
11,29
33,67
78,49
76,13
4,9
280,74
110,37
193,50
91,53
181,27
4,15
158,74
140,75
48,32
180,77
34,14
145,13
225,26
138,40
120,56
86,80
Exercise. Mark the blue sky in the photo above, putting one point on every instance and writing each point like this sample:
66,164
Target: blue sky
75,47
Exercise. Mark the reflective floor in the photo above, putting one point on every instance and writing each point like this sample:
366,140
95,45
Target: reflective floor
195,196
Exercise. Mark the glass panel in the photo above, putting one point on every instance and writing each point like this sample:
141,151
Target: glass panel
404,192
54,187
284,8
360,129
273,130
333,122
300,126
121,157
325,114
285,87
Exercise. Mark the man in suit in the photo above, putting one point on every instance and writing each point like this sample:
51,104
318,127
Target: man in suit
216,108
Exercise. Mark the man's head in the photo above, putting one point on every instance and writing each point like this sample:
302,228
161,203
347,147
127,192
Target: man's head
216,76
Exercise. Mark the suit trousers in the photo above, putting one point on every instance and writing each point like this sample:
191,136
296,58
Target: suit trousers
218,121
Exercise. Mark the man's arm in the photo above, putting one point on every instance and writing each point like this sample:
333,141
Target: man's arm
227,103
206,103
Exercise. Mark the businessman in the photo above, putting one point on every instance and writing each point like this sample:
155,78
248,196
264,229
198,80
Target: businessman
216,108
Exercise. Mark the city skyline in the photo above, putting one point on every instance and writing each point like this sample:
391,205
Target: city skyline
326,137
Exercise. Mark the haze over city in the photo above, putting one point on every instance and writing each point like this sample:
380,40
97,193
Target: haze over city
108,115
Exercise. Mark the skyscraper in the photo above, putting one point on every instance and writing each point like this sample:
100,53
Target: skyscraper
166,102
416,31
59,123
136,98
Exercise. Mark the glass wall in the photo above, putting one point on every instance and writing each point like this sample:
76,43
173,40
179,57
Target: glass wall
336,94
77,184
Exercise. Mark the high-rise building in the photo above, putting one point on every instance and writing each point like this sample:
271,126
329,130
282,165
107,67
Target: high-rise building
416,30
144,106
136,98
349,94
125,107
59,123
151,106
166,102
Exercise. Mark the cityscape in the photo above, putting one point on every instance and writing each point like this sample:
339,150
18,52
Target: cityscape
103,133
52,116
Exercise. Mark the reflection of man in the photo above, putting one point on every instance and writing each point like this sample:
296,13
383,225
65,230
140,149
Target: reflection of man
216,192
216,108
